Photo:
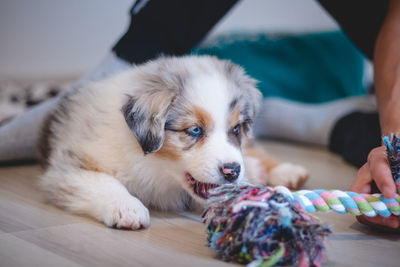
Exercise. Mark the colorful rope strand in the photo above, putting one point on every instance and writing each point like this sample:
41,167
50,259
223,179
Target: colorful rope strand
393,154
265,226
343,202
259,226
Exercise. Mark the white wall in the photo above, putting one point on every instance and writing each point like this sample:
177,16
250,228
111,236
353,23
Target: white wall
46,38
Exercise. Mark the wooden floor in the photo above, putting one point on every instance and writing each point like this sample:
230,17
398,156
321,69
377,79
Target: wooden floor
33,233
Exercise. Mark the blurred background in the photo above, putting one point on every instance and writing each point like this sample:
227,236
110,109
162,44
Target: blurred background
60,38
290,46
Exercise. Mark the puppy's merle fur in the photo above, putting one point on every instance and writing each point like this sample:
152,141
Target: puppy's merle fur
158,135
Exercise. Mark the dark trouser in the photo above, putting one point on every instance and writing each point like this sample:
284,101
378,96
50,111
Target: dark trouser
357,133
354,136
174,27
171,27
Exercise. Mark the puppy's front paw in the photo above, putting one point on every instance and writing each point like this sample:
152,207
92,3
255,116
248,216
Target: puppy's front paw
127,213
290,175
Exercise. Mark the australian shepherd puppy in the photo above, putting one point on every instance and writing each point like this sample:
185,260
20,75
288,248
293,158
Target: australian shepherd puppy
159,135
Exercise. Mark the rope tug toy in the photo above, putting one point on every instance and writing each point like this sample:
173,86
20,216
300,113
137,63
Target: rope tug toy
265,226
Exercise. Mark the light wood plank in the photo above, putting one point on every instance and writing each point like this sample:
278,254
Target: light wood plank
49,236
96,245
19,215
15,252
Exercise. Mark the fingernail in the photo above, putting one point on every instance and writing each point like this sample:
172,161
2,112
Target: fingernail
366,189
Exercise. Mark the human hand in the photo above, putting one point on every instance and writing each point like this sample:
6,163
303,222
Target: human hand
376,169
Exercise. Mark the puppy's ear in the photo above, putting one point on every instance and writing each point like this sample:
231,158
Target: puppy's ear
147,109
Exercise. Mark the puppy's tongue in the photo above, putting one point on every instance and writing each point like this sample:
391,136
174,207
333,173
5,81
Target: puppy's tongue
199,188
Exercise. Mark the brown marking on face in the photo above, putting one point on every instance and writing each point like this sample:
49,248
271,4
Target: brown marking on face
234,118
233,104
203,118
232,122
205,121
177,141
170,149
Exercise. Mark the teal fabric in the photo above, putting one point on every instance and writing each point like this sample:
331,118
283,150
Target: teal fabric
309,68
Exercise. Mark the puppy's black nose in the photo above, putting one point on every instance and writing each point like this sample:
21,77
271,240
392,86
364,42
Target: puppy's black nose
230,171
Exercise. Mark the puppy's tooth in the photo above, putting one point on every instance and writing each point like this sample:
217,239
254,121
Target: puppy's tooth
204,190
197,188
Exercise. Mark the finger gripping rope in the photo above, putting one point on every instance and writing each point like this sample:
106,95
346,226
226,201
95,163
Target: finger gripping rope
264,226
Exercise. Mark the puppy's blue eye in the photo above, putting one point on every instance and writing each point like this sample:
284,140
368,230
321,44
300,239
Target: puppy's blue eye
195,131
236,129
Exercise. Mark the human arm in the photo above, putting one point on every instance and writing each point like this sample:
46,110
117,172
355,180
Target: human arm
387,88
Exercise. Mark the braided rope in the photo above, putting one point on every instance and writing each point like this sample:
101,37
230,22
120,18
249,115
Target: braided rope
351,202
261,225
343,202
393,155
